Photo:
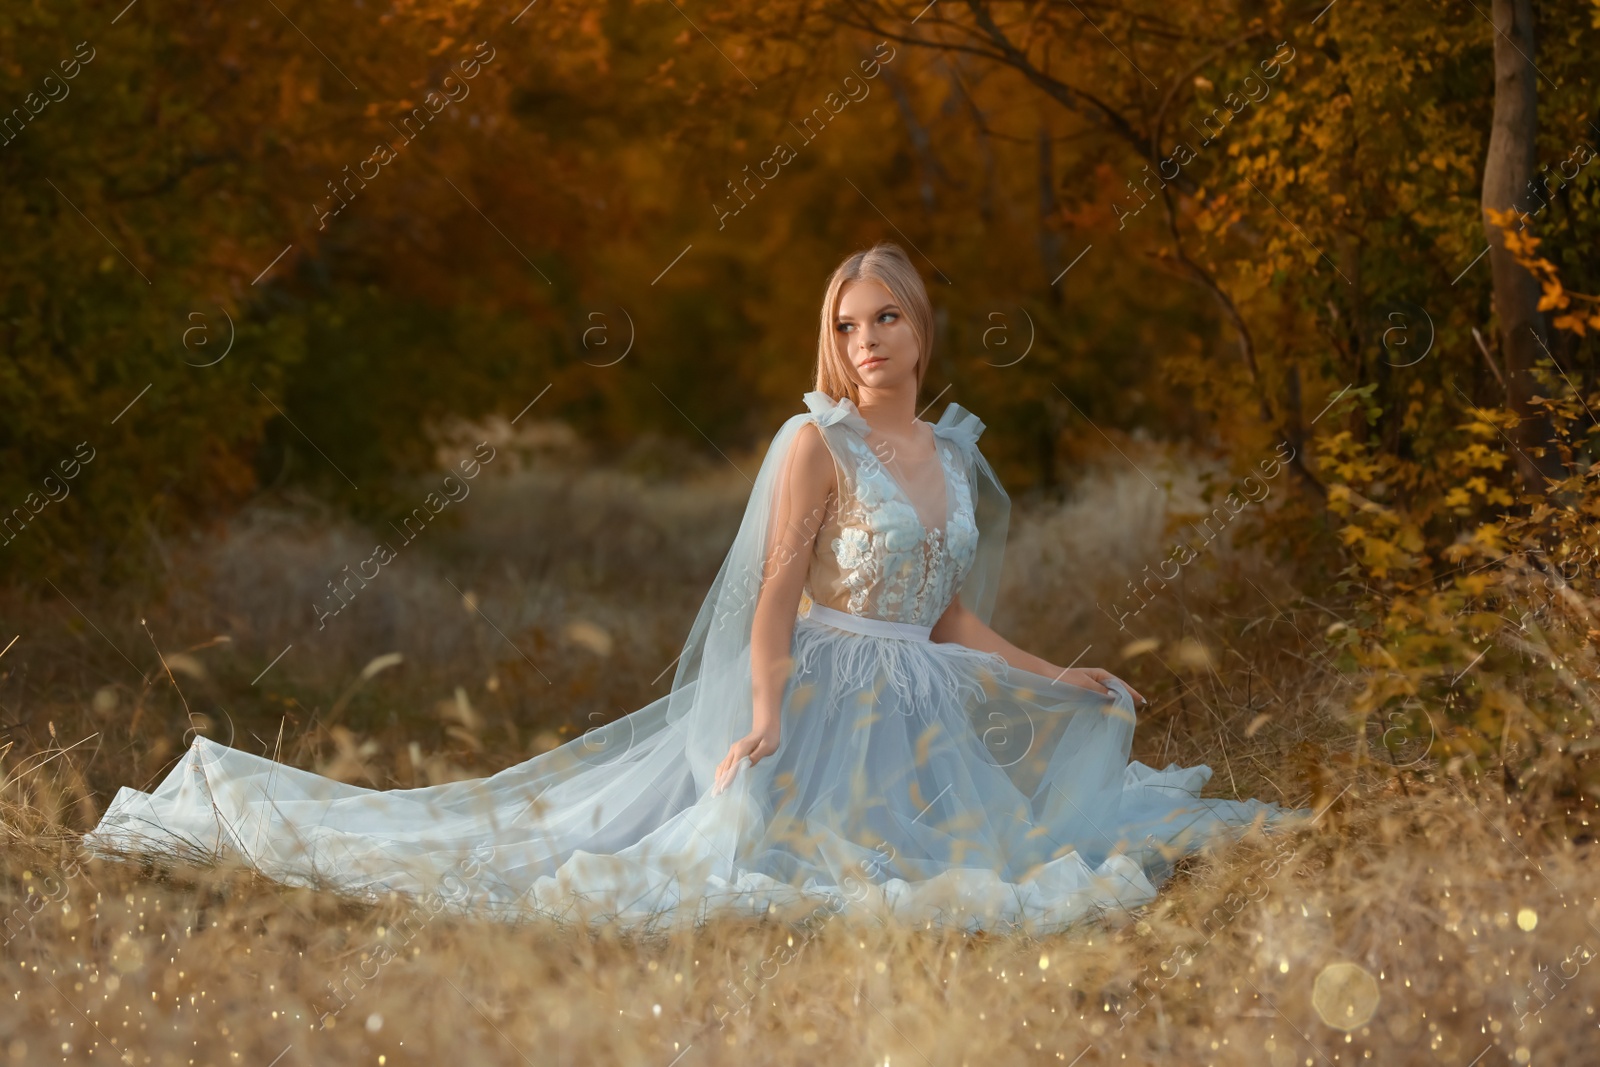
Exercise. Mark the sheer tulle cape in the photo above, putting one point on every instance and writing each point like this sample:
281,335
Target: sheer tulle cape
988,797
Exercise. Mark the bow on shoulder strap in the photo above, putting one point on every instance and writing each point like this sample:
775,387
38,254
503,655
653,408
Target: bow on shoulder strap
991,508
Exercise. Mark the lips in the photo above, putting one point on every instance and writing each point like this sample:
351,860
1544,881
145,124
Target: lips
873,362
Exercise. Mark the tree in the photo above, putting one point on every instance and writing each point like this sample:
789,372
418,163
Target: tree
1508,170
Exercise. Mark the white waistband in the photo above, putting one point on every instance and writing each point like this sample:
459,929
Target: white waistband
870,627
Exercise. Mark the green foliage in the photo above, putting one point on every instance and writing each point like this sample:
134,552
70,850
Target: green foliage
99,284
1479,597
535,216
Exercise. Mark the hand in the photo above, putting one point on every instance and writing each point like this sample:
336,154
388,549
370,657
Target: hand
756,746
1092,677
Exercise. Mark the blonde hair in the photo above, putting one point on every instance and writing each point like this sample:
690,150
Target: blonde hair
887,264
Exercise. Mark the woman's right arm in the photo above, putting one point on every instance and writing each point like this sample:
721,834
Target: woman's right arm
804,488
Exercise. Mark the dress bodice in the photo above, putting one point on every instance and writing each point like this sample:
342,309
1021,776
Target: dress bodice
889,549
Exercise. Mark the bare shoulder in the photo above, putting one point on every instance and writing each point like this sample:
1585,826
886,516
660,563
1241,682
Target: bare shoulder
812,463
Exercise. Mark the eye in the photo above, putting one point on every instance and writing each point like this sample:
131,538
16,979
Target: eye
888,316
843,327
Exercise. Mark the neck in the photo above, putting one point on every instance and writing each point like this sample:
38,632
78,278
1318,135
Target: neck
892,410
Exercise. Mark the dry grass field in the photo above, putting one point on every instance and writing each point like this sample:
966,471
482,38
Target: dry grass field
1423,918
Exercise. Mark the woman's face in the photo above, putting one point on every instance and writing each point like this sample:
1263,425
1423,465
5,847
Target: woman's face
874,336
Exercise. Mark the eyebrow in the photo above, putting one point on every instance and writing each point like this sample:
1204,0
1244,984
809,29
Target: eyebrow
880,311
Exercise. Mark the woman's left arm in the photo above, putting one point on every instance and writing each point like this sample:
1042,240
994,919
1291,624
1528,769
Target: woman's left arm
960,626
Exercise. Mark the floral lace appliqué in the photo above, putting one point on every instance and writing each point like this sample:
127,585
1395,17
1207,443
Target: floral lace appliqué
893,566
853,550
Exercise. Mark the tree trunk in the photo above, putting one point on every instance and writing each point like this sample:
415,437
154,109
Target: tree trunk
1507,171
1049,216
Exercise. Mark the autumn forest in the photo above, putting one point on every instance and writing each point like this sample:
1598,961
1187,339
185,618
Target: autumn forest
1282,323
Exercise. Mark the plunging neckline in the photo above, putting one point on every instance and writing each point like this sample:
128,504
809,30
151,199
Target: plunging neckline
905,494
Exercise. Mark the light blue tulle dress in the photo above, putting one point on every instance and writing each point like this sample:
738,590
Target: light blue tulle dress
924,781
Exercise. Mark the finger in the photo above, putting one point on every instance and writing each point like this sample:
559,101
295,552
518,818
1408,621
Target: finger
1086,680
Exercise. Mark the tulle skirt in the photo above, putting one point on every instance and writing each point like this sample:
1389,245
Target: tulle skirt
914,780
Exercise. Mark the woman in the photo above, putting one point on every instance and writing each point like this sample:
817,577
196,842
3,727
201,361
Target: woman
844,730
